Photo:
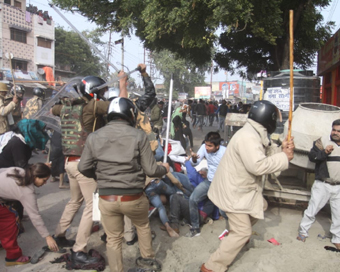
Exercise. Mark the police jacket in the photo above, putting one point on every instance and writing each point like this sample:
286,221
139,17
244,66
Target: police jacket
4,111
119,157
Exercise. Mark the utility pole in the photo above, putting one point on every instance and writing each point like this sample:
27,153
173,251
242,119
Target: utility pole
211,75
108,55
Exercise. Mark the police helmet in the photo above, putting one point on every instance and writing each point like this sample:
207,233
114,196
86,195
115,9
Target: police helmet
19,90
111,93
124,108
265,113
39,92
91,85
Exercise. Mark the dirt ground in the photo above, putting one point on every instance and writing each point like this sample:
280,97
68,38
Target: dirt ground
187,254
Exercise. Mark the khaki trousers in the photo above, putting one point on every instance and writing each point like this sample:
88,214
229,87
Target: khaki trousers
240,225
81,188
129,229
112,216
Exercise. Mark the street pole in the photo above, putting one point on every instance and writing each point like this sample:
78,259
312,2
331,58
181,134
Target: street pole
168,123
123,53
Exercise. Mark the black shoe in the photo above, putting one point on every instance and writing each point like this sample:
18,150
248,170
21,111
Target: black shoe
81,257
133,241
63,242
103,238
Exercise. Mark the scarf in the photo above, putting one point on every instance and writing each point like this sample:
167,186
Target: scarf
34,133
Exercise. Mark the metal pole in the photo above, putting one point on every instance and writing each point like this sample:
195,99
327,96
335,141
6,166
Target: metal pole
83,37
123,54
168,123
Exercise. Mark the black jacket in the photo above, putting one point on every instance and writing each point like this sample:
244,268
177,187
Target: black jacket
146,99
318,155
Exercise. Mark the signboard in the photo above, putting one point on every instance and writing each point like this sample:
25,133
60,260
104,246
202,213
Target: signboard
230,88
329,54
182,96
202,92
19,75
279,97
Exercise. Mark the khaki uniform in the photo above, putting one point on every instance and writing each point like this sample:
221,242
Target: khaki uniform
120,157
81,187
4,111
32,107
237,188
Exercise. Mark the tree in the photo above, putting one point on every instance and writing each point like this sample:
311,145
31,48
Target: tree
71,50
185,73
252,34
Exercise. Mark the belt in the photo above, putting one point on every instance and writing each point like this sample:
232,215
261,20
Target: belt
331,183
73,158
121,198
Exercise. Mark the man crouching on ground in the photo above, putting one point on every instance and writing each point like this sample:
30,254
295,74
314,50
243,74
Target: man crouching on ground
119,156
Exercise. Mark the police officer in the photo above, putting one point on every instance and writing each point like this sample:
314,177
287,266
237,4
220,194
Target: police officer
19,90
34,104
5,109
79,117
119,156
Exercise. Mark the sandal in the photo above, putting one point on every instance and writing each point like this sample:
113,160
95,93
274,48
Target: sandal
148,263
301,238
21,260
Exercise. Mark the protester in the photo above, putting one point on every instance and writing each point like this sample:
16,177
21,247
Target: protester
119,156
211,112
212,151
6,110
34,104
325,154
16,146
79,117
237,186
18,184
223,111
201,112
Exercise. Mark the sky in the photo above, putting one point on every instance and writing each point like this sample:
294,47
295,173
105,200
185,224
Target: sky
133,48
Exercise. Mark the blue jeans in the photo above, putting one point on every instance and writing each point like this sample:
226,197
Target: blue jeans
153,191
185,182
199,194
159,152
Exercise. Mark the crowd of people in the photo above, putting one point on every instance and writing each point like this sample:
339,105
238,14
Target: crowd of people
110,146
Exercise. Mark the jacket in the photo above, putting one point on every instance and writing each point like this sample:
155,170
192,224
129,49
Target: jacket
156,116
93,113
32,107
200,109
323,161
25,194
237,186
4,111
119,156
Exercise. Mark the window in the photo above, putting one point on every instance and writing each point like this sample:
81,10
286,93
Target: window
17,4
18,35
7,2
19,65
44,43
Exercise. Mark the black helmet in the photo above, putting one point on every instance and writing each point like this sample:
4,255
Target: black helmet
89,86
123,108
264,113
39,92
20,91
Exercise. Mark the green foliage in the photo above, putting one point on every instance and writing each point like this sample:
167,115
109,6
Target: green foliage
185,73
248,35
71,50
